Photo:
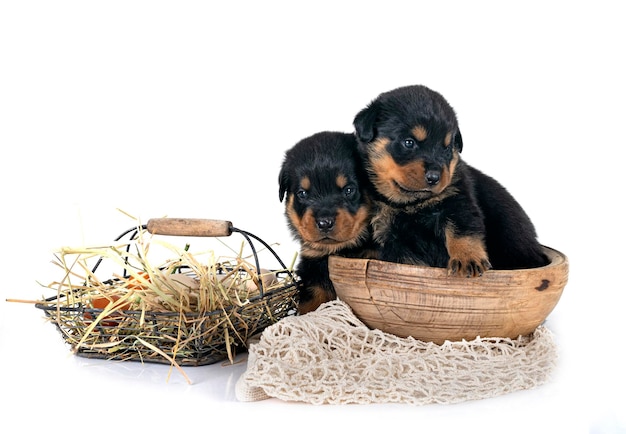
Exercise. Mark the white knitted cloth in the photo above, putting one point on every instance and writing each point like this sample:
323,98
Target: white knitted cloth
330,357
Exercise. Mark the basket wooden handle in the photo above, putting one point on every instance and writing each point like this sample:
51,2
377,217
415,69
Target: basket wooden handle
190,227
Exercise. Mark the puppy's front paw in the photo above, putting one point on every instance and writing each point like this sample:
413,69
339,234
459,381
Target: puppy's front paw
468,267
468,256
313,295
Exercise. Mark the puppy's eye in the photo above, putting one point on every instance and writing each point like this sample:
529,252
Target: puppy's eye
302,194
409,143
349,190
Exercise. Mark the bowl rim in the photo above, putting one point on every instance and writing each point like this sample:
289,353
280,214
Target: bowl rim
556,257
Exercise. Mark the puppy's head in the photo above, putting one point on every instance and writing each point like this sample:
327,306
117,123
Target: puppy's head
320,180
410,141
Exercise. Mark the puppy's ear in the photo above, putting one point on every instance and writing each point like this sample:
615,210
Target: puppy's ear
283,183
458,141
365,123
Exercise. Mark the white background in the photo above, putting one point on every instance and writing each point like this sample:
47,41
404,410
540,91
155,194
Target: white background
184,109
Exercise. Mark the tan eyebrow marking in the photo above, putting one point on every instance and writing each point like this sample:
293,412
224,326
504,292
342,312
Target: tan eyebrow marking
420,133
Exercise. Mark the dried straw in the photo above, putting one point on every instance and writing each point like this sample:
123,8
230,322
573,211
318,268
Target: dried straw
189,309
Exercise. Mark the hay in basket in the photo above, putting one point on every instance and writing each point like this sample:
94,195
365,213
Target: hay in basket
187,308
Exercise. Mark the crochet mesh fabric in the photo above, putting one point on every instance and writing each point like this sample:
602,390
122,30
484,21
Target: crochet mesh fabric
330,357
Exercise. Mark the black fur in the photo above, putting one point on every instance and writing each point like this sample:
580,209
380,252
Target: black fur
432,208
327,212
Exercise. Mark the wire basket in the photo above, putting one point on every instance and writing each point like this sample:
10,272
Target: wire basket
171,337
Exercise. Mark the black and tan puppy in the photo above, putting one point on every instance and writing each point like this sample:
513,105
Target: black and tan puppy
431,207
326,210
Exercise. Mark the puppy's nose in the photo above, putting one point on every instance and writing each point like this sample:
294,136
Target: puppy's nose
325,223
432,177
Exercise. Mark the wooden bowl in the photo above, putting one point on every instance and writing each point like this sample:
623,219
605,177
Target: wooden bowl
429,305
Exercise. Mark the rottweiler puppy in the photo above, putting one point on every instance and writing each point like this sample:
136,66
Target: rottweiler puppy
326,210
431,208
